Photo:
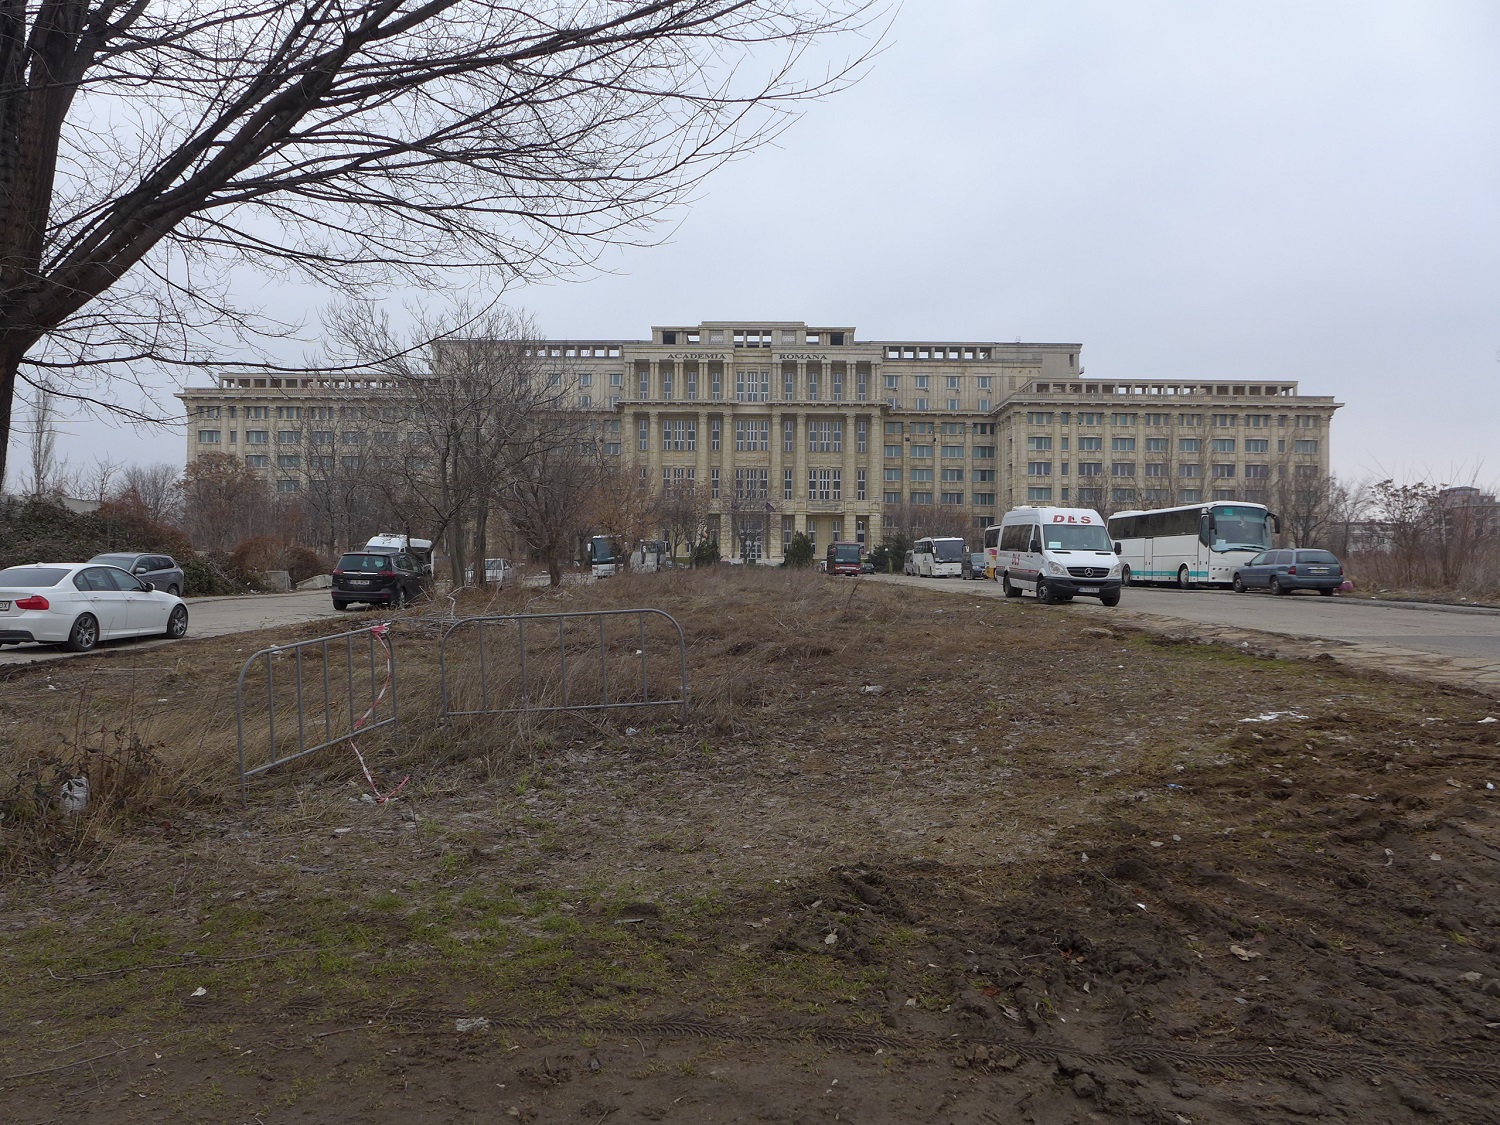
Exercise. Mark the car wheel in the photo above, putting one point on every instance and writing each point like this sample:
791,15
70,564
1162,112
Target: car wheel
1184,579
1276,586
1010,591
1238,584
1044,592
1327,591
84,635
402,601
1125,576
175,590
177,622
1110,599
338,605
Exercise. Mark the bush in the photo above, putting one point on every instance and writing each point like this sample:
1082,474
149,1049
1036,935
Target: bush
799,552
206,577
706,553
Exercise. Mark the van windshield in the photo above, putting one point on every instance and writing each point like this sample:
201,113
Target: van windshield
1076,537
948,550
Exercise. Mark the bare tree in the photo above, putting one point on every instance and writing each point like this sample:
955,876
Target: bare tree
155,489
147,149
42,430
550,498
684,511
625,507
225,502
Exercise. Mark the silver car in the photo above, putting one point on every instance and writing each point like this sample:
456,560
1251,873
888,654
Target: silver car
161,571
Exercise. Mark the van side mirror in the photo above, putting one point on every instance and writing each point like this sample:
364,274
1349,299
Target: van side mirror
1119,549
1276,523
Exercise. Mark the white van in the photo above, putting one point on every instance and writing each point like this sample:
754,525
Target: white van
1057,553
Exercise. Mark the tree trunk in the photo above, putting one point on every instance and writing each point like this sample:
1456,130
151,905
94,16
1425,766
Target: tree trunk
481,546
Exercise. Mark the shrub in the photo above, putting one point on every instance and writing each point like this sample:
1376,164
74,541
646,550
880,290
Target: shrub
799,551
206,577
706,553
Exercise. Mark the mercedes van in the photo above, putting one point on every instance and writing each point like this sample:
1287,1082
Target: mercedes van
1056,553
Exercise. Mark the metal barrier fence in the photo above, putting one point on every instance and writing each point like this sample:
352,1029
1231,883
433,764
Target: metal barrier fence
532,673
331,663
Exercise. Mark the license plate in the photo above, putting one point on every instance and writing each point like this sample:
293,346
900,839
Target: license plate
1318,570
359,581
4,606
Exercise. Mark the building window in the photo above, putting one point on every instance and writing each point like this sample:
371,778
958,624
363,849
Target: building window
715,434
837,378
788,384
824,484
893,497
984,499
285,485
1122,444
1189,420
1257,445
1189,495
1225,421
953,476
1222,445
690,375
668,378
288,461
713,483
643,378
813,372
1039,443
1305,471
1122,495
679,436
1258,421
984,453
1156,445
862,386
788,435
1257,472
1122,469
752,435
317,437
257,460
825,437
859,482
921,498
716,383
953,452
1091,468
1157,419
1039,418
643,435
862,435
922,451
893,474
787,480
1306,422
1187,470
1091,418
1039,468
1188,445
1156,469
788,529
921,475
1305,445
1223,472
983,476
752,484
262,437
1039,494
1122,419
893,451
1090,444
208,437
752,386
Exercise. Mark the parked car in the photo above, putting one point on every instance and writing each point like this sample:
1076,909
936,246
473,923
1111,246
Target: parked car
972,566
866,566
1283,571
375,578
909,567
161,571
81,604
499,572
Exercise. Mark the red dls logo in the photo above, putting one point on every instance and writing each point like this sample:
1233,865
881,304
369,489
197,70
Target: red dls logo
1072,519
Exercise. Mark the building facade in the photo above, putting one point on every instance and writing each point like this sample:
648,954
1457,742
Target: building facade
787,427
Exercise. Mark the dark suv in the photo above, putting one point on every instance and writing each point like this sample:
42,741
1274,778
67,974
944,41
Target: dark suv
376,579
161,571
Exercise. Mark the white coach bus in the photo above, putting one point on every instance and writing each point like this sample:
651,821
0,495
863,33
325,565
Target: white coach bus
1192,545
938,557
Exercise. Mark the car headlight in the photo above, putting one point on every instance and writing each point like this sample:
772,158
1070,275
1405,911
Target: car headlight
1055,568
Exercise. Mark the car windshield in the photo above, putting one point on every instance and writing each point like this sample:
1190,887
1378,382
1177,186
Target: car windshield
948,550
1241,528
366,562
1315,557
1077,537
32,576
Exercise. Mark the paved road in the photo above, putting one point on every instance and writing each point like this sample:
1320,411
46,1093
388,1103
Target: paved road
212,617
1462,642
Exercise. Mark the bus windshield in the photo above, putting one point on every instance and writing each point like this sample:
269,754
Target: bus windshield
601,549
948,550
1237,528
1076,537
846,553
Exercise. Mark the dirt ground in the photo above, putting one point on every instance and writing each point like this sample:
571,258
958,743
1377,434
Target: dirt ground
907,858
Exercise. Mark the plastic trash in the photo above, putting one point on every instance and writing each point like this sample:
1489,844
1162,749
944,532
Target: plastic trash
75,795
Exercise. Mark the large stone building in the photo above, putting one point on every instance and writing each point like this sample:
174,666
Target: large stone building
790,427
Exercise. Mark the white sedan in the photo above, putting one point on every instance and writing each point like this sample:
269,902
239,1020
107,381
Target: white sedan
81,604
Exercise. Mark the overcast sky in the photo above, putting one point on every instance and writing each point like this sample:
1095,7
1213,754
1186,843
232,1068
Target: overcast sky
1191,191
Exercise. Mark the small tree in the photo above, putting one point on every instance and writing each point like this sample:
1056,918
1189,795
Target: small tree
799,551
706,553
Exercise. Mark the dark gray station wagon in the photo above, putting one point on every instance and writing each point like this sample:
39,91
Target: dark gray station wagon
1283,571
